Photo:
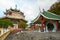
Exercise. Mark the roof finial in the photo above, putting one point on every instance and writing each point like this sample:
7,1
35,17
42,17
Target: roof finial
43,10
15,6
39,9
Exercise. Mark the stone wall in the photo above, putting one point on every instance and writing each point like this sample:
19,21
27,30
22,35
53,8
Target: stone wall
29,35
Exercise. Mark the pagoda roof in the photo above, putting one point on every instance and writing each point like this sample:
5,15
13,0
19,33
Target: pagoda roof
10,17
15,10
47,15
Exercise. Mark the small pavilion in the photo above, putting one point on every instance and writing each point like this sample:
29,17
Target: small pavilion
47,21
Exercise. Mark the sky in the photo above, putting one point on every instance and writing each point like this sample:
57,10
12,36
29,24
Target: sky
30,8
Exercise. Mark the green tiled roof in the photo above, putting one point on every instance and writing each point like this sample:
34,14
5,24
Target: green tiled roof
47,15
50,15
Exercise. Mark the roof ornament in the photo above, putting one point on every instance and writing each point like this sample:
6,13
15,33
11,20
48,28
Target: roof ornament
43,10
39,9
15,6
10,7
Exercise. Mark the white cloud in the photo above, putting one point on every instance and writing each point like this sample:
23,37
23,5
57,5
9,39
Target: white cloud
29,10
45,3
6,4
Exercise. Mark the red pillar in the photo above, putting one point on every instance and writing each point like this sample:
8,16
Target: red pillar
34,26
42,24
56,25
19,28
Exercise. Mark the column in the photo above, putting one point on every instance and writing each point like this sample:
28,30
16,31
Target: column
56,25
2,31
42,24
34,26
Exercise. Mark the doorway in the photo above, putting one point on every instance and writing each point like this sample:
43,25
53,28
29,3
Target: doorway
50,26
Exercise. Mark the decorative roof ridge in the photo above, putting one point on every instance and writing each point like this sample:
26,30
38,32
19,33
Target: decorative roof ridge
49,18
16,10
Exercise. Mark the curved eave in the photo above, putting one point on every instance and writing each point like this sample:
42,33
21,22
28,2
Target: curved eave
36,19
49,17
13,18
23,20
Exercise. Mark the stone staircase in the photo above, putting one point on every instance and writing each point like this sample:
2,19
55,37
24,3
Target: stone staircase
4,35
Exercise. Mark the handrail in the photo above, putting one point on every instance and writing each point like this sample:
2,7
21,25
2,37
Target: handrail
4,35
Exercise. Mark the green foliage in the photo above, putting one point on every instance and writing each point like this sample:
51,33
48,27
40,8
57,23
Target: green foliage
23,24
5,23
55,8
1,23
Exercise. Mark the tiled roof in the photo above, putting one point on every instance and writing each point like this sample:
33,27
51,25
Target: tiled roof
47,15
50,15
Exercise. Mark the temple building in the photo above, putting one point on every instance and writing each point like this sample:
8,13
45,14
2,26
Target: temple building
15,16
46,21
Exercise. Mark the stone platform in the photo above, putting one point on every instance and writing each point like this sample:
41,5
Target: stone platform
29,35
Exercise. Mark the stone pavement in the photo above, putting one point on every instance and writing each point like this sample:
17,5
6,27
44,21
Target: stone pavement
29,35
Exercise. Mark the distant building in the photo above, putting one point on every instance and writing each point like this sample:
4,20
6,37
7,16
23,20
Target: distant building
46,20
15,16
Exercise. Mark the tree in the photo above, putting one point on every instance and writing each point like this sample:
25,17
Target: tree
55,8
23,24
5,23
1,23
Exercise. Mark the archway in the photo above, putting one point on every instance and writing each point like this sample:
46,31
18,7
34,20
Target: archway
50,26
